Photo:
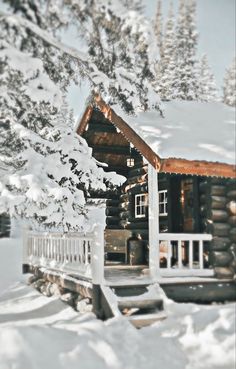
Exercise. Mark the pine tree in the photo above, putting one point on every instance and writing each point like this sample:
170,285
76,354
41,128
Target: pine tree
185,80
158,28
207,85
229,88
46,169
118,39
166,65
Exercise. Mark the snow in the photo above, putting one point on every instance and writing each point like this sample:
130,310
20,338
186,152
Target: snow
189,130
40,332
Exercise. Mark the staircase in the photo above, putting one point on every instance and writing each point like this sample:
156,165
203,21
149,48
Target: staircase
141,305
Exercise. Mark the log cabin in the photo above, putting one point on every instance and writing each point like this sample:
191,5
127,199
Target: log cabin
171,201
173,220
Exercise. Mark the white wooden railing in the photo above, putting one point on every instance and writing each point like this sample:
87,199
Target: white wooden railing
183,254
70,252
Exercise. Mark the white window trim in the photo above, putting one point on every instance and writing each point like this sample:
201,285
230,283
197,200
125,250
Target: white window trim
163,203
136,206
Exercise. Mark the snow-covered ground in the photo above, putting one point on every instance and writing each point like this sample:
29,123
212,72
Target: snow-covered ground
38,332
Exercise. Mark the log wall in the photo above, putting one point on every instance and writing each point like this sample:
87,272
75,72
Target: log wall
5,225
218,215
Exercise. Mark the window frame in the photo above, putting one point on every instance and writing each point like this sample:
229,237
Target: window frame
143,204
164,203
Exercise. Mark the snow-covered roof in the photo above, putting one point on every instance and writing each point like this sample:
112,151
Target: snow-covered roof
189,130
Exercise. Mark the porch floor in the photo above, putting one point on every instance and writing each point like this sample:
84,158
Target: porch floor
123,274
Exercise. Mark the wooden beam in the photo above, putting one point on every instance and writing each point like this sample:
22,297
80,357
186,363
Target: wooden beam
85,119
196,167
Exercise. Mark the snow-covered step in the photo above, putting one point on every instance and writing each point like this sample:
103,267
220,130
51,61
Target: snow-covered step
142,307
141,304
143,320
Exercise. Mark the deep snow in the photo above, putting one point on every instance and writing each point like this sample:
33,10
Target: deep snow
39,332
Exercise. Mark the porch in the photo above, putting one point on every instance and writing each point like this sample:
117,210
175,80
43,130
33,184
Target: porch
77,262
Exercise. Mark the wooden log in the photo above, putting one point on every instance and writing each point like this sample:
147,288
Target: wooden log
219,229
232,234
221,258
111,210
215,202
218,202
114,226
140,225
217,190
231,195
233,265
136,189
231,185
232,220
219,181
123,223
138,179
204,186
215,214
112,202
224,273
125,197
124,206
231,207
112,220
232,249
220,244
126,214
138,171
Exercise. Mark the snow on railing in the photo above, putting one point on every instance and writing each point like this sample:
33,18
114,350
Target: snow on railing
184,254
71,252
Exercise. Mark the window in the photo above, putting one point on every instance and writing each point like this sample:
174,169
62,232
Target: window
163,203
140,205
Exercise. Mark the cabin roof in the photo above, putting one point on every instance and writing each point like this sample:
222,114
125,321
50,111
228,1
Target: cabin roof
192,137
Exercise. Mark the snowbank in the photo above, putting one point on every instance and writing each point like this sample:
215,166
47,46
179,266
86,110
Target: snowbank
189,130
10,262
38,332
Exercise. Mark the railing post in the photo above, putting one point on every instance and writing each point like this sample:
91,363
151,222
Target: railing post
153,223
97,255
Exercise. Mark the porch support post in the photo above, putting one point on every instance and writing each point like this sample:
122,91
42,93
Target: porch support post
97,266
153,222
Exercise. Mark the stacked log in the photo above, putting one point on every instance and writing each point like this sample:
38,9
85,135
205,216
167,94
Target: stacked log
218,219
112,213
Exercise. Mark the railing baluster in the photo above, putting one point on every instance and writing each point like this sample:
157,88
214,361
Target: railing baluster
190,254
86,252
201,254
180,254
169,253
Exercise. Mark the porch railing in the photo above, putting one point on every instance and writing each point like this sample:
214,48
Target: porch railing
71,252
184,254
